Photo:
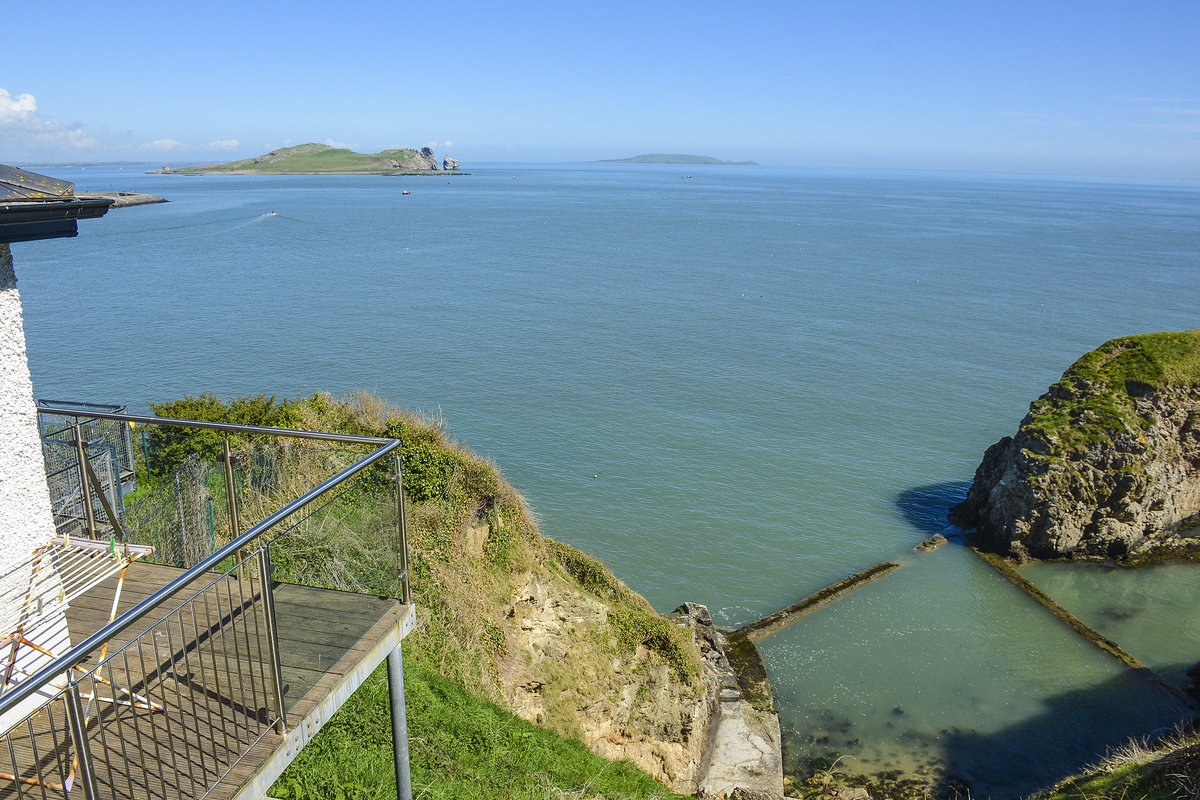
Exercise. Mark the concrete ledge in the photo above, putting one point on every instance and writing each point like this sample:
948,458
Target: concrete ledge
773,622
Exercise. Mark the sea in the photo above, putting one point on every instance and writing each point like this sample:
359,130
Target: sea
732,384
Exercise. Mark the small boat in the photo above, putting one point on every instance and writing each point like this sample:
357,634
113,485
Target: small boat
406,191
272,214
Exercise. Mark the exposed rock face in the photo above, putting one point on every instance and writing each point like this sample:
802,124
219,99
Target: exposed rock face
1105,466
449,164
427,160
566,674
746,746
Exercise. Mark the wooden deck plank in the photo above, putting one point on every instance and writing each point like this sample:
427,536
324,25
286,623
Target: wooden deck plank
207,679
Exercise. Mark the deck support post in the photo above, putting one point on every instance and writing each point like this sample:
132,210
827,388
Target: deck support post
395,671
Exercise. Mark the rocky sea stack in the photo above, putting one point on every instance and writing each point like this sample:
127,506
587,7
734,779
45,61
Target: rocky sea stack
1106,464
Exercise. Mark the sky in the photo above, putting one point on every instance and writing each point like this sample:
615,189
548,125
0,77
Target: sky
1100,87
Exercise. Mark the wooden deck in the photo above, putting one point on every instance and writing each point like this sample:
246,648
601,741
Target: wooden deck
199,724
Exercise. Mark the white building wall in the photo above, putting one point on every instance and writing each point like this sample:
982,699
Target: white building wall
25,519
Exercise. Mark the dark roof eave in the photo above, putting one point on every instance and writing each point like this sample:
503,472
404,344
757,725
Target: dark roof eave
29,220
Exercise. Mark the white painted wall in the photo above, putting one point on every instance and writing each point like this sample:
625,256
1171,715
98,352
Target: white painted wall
25,519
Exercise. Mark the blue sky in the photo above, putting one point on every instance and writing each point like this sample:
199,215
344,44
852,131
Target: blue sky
1095,88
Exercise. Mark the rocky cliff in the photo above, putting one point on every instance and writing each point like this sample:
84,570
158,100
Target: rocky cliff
566,670
1106,464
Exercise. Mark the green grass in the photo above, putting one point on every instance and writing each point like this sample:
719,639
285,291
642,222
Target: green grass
1168,770
1092,401
463,745
461,748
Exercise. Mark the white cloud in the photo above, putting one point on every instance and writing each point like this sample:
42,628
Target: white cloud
1179,127
1158,99
1166,110
339,145
1023,117
224,144
163,144
18,109
26,132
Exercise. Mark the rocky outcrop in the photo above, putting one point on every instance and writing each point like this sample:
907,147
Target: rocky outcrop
565,672
1106,465
449,164
699,736
426,159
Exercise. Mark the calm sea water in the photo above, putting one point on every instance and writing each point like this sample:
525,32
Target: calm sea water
733,388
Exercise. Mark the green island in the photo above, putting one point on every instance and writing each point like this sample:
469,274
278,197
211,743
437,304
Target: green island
675,158
318,159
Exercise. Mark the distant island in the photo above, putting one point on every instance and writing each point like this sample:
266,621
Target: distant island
315,159
674,158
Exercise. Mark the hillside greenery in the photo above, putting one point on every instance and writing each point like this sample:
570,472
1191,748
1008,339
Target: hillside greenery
463,743
1166,770
1094,398
315,158
461,747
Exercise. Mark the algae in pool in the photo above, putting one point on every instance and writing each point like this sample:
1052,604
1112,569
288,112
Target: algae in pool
948,673
1150,611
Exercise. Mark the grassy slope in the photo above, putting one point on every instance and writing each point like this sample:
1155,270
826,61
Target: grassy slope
1137,772
461,748
1100,403
461,741
315,158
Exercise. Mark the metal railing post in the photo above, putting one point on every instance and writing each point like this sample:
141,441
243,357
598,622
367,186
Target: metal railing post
77,723
268,609
395,672
235,524
84,490
405,591
227,457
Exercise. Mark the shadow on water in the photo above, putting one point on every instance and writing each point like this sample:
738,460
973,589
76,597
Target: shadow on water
1075,730
926,507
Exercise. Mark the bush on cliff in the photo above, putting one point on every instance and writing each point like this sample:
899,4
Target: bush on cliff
474,548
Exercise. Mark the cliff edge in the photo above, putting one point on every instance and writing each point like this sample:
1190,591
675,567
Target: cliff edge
1106,464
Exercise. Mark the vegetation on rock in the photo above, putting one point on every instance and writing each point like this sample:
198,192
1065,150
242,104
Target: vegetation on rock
1165,770
1106,465
1094,399
499,604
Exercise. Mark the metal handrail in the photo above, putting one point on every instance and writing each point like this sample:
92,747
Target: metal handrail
215,426
81,651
